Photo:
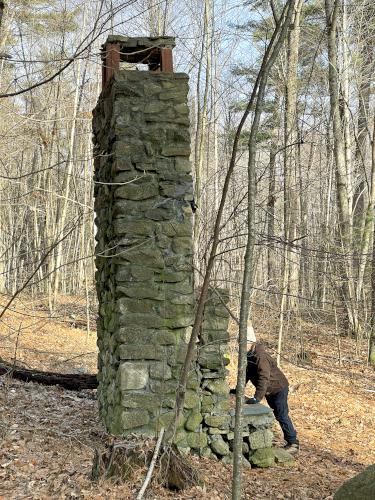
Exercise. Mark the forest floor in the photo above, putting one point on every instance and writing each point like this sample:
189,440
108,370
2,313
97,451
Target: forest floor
48,435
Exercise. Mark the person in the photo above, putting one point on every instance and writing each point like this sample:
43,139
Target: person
270,383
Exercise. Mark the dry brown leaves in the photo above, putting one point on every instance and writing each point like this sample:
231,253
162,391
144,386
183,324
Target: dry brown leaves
48,435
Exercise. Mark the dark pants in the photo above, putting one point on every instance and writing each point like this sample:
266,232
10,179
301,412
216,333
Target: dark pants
279,404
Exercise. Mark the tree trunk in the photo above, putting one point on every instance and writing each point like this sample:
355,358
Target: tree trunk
291,209
71,381
345,227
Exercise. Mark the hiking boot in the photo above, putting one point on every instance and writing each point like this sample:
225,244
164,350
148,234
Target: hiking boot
292,448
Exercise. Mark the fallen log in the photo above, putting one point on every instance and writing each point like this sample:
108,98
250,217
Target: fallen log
71,381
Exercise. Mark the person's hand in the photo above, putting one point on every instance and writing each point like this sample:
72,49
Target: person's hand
251,401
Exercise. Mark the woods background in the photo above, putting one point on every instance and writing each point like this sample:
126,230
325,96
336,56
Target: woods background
315,159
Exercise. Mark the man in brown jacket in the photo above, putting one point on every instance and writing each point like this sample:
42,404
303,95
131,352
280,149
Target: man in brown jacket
271,383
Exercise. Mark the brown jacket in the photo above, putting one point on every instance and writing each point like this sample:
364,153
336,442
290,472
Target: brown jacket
263,372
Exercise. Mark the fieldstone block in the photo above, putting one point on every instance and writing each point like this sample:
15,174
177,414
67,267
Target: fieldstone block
283,457
219,421
133,376
207,453
182,245
216,337
170,276
208,403
214,323
122,226
160,370
197,440
134,335
176,150
172,228
140,352
166,387
164,419
268,457
176,312
127,306
131,210
146,254
219,446
219,387
193,421
264,457
134,419
223,405
193,381
211,357
214,430
139,400
139,189
148,320
166,337
191,399
154,107
182,190
258,416
181,438
140,291
261,439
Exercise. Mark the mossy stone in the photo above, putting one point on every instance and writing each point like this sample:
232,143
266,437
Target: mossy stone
219,446
166,387
208,403
138,190
164,420
283,457
360,487
140,291
133,376
138,352
193,421
197,440
180,438
139,400
212,357
160,370
191,399
219,421
261,439
264,457
176,150
134,419
138,228
219,387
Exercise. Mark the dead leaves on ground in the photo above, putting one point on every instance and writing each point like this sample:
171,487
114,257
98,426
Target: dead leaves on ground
48,435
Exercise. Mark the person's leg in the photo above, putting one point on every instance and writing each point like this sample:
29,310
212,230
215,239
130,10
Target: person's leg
279,404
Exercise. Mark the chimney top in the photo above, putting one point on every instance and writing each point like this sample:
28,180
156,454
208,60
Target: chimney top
156,52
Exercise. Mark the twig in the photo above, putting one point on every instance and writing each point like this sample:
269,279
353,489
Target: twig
152,465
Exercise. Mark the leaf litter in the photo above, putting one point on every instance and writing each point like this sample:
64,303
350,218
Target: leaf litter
48,435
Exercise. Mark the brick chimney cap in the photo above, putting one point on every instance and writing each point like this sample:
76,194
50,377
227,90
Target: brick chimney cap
142,42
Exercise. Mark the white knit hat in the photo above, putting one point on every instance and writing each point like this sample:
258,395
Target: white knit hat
251,334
